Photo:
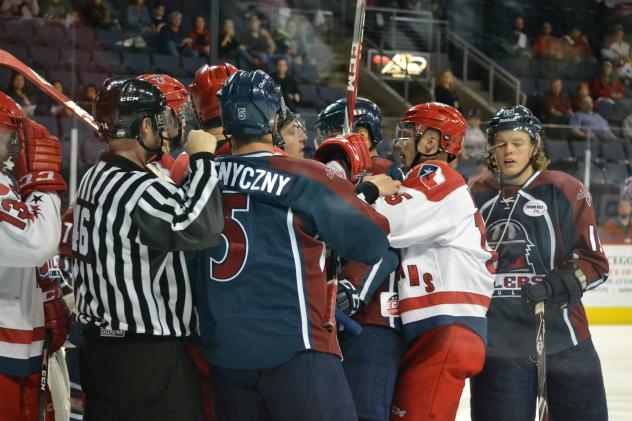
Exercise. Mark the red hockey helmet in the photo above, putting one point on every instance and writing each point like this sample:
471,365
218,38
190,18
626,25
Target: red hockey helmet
11,116
447,120
178,101
208,81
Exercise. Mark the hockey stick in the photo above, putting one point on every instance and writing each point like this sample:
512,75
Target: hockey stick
8,60
332,291
354,63
348,323
543,406
44,378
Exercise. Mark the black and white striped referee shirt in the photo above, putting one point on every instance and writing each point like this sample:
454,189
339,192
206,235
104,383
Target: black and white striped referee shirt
130,231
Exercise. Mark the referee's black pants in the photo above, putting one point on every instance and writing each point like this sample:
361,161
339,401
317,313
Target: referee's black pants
136,379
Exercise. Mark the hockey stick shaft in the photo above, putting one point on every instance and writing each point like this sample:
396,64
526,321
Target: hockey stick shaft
348,323
354,63
332,291
8,60
44,378
543,407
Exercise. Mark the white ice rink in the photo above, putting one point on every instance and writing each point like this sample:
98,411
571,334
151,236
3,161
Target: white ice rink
614,345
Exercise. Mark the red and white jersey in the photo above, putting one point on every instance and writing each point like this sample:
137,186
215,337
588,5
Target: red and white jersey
446,273
29,234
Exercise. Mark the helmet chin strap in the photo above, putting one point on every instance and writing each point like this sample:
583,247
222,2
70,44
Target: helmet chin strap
155,153
419,156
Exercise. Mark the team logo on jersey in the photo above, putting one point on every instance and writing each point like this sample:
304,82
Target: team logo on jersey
431,176
585,194
389,304
535,208
512,243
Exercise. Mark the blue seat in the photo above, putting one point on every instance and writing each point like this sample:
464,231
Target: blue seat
84,131
596,173
616,173
107,60
51,35
19,51
108,39
20,31
192,64
579,149
527,85
613,152
92,78
45,57
82,59
167,64
309,95
138,63
85,37
558,150
305,73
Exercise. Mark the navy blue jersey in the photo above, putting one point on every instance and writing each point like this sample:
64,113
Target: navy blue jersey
552,223
262,291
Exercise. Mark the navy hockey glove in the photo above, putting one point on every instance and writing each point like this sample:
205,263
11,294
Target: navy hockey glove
348,298
559,289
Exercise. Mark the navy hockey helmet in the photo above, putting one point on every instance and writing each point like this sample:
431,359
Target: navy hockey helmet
366,114
249,103
515,118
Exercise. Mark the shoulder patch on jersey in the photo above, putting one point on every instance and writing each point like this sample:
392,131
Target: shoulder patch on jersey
431,176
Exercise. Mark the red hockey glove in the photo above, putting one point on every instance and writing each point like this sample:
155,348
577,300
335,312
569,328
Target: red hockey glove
56,312
38,166
350,150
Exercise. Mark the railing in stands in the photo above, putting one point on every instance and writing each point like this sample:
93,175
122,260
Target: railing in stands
469,57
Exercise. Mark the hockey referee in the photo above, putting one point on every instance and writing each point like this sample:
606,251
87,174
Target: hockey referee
132,289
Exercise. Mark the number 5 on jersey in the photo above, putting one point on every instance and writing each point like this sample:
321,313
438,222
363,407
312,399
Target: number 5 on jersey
235,238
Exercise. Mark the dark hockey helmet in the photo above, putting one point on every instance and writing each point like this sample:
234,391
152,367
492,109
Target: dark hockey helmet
515,118
366,114
249,103
447,120
122,104
11,116
286,118
203,90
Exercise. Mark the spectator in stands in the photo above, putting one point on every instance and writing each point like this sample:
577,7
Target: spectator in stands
138,20
258,41
98,14
200,38
56,10
289,42
619,229
17,91
558,106
172,39
582,90
158,17
546,46
586,122
289,87
618,51
575,46
445,91
627,128
88,97
625,189
23,8
475,142
517,43
605,84
52,106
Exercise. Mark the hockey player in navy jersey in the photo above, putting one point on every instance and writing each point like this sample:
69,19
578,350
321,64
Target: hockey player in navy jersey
542,224
367,122
446,271
262,291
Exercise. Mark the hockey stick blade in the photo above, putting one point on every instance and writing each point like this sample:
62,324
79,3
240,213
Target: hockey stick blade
354,63
10,61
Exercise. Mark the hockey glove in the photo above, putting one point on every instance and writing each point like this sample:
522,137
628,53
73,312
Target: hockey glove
559,289
350,150
56,312
348,298
38,165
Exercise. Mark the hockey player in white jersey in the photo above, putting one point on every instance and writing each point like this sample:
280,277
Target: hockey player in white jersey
446,273
31,307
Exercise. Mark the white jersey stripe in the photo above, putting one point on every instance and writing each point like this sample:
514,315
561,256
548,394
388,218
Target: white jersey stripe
298,267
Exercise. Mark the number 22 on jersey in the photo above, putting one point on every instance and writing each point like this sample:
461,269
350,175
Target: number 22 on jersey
235,239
